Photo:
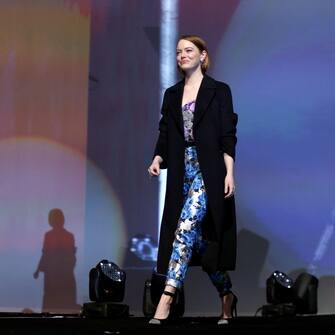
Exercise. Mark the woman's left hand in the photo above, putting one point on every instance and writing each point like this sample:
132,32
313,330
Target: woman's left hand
229,186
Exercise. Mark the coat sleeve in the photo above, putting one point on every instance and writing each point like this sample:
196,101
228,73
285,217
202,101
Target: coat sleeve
229,120
161,144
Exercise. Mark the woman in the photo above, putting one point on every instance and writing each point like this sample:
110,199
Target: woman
196,143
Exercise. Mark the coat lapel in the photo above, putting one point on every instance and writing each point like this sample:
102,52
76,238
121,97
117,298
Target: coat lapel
205,95
176,101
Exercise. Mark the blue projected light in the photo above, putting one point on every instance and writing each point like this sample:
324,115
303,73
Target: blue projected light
144,247
282,73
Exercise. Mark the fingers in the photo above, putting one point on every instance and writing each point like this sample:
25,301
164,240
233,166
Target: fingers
229,186
153,171
230,194
230,190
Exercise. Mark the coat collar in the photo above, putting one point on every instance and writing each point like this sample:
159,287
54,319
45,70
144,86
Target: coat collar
205,95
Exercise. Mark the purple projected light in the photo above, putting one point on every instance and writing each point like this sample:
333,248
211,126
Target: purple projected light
281,67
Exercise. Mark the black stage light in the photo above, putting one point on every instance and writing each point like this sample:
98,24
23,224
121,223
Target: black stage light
305,290
288,297
107,282
106,289
279,288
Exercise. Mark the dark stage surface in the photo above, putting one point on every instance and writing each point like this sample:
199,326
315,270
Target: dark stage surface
39,324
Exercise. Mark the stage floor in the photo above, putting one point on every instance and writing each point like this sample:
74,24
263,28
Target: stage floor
39,324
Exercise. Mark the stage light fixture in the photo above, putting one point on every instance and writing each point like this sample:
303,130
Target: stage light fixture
279,288
288,297
306,293
106,290
107,282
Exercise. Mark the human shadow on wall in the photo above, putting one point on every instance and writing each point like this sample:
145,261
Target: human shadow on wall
57,263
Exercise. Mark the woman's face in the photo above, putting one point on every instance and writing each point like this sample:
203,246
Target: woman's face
188,55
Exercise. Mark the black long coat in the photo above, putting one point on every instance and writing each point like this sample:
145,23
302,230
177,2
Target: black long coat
214,130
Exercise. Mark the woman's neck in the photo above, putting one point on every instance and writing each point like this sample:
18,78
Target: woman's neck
194,78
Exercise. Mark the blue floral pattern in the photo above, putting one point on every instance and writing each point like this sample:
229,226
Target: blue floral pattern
188,235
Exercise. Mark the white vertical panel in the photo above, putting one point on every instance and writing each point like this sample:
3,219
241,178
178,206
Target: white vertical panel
168,39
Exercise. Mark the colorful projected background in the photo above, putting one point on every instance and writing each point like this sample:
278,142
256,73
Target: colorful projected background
279,58
79,109
43,163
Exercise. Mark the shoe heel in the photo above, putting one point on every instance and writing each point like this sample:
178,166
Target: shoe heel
234,306
169,318
233,310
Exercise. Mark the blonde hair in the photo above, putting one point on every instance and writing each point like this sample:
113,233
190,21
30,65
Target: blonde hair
201,45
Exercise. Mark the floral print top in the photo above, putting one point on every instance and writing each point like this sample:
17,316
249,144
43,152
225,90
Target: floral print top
188,114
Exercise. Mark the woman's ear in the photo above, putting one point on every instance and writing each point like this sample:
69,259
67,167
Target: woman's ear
203,56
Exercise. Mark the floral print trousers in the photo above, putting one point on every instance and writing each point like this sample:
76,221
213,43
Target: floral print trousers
188,236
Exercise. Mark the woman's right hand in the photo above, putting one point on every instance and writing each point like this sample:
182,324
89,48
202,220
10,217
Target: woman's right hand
154,169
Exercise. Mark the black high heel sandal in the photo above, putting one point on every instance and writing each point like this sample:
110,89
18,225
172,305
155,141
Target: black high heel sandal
161,322
233,309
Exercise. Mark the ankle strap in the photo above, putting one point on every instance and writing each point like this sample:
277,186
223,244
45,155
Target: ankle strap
171,294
